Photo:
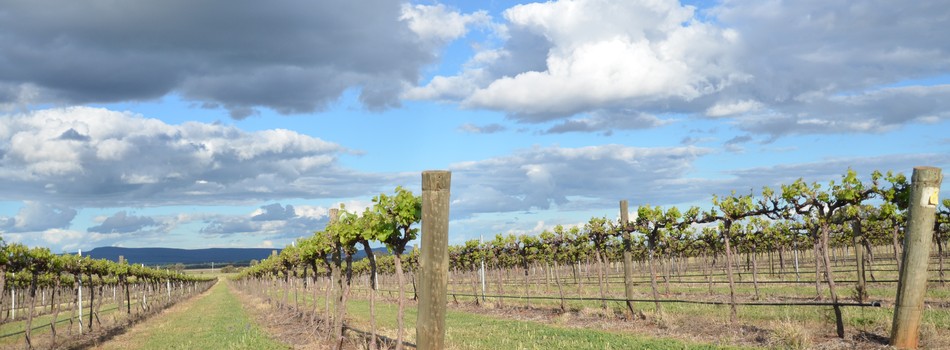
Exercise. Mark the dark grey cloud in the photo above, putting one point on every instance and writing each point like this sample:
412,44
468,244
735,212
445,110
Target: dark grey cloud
122,222
230,225
586,178
694,140
127,160
609,121
292,56
739,140
37,216
275,212
483,129
871,112
273,220
823,171
772,68
524,51
830,67
545,178
734,144
829,48
74,135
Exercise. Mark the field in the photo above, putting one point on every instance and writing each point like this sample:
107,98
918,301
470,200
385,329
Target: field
761,278
785,314
518,310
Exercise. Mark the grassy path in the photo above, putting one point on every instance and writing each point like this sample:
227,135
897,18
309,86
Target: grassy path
471,331
213,320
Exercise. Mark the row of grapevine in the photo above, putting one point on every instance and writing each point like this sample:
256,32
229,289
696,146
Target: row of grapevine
36,282
848,214
802,215
392,220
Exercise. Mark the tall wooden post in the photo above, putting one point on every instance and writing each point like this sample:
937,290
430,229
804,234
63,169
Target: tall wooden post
857,238
13,301
627,258
336,284
481,274
79,298
912,285
434,260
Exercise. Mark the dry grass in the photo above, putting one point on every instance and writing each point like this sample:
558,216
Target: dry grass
790,335
593,312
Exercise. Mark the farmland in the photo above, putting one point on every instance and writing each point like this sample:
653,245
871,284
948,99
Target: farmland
809,266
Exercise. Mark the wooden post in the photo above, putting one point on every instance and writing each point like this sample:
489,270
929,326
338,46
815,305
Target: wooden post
434,260
627,258
858,241
481,240
13,300
912,285
79,298
336,283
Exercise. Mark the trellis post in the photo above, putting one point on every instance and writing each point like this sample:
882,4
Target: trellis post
912,285
434,260
627,257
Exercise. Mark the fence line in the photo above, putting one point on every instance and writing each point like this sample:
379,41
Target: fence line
670,301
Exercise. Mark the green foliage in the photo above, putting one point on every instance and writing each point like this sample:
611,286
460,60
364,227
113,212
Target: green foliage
397,214
347,231
26,263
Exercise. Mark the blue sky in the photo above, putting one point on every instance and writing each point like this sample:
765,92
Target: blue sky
212,124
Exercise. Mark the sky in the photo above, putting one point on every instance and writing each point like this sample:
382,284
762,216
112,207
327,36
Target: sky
195,124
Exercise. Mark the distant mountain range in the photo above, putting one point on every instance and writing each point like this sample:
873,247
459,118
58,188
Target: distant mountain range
189,257
195,258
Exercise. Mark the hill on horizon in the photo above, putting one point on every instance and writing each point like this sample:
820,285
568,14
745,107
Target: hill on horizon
169,256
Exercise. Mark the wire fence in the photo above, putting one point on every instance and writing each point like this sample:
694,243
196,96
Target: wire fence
667,301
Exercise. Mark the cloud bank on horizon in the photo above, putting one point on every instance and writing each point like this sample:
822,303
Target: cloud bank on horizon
655,101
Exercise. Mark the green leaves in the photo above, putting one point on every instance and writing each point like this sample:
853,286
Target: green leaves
778,217
48,267
397,215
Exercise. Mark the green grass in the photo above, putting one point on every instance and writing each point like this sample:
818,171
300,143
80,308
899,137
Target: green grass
214,321
815,315
484,331
474,331
818,319
209,273
468,331
12,332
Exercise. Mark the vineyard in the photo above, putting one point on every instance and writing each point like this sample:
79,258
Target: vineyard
806,265
52,301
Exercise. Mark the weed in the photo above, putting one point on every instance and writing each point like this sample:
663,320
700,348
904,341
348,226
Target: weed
790,335
562,319
593,312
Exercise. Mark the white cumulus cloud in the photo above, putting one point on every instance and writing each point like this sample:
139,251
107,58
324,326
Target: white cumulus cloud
438,23
84,156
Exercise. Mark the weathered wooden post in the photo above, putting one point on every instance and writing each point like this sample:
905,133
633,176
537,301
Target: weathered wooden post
434,260
13,301
79,298
481,241
627,258
857,238
335,284
912,285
